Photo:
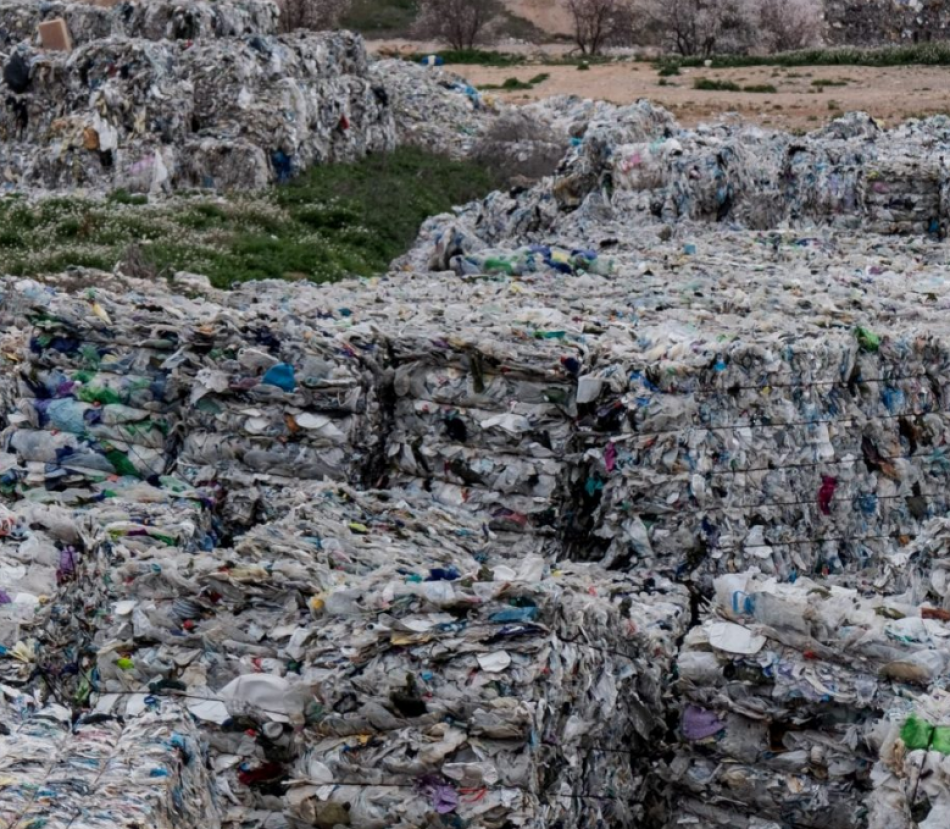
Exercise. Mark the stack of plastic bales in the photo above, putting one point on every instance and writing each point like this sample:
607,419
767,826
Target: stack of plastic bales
782,690
469,682
714,448
148,19
393,659
228,113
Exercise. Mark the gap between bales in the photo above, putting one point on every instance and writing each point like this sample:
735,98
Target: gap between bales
334,221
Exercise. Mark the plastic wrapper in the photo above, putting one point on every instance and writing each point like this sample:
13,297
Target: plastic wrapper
910,777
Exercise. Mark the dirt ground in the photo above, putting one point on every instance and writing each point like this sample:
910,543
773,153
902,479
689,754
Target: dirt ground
891,95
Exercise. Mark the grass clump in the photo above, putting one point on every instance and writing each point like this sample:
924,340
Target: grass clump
331,222
514,84
824,83
763,88
510,85
381,18
710,85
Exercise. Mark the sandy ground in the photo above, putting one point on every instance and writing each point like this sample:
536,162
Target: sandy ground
891,95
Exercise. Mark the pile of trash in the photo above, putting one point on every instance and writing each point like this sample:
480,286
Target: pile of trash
576,518
159,115
371,654
636,166
884,23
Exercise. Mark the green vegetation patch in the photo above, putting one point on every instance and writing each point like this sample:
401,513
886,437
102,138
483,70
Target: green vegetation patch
333,221
710,85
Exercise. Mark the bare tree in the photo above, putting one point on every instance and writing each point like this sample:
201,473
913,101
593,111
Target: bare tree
601,23
316,15
707,27
701,27
790,24
462,24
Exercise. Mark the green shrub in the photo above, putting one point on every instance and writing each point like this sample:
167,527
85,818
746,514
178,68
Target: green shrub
709,85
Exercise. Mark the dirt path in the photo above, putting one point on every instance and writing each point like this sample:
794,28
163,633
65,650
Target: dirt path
891,95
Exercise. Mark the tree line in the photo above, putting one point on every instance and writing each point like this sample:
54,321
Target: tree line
683,27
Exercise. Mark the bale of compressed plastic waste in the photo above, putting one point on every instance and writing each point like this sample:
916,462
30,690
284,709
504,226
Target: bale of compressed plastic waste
102,771
782,690
434,109
39,548
507,716
98,385
505,644
276,395
488,413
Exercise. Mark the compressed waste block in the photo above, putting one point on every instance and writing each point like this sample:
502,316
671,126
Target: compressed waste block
782,691
270,635
511,715
637,164
98,385
275,394
836,440
905,195
145,771
434,109
39,548
491,416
